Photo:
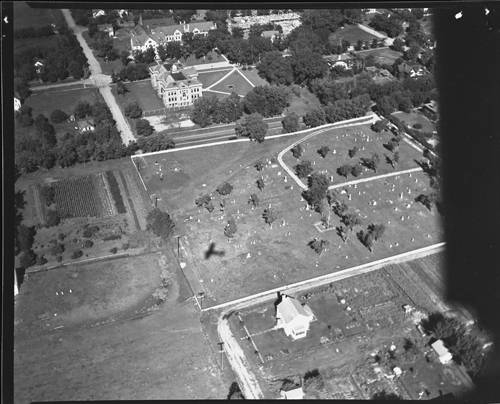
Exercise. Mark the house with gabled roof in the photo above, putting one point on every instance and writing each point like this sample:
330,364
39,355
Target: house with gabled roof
293,317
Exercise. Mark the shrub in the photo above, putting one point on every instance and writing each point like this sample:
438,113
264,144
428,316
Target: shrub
297,151
47,193
225,188
76,254
112,237
143,127
290,123
323,151
113,250
115,192
356,170
417,126
88,244
133,110
230,229
90,231
41,260
160,223
58,116
303,169
28,258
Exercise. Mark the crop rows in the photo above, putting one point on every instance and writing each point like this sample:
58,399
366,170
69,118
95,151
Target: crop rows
104,192
77,197
115,192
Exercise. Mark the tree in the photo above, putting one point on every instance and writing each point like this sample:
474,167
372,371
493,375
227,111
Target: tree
237,32
143,127
297,151
344,170
356,170
317,189
350,220
27,259
58,116
133,110
121,88
82,109
275,68
290,123
380,125
260,184
426,200
252,126
224,189
377,230
203,201
314,118
155,143
259,165
366,239
228,110
25,237
390,24
327,89
352,152
318,245
203,110
342,232
323,151
384,395
270,215
266,100
307,66
160,223
75,70
372,162
230,229
53,218
303,169
398,45
254,200
235,392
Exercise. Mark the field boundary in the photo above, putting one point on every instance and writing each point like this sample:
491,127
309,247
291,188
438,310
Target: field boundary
336,276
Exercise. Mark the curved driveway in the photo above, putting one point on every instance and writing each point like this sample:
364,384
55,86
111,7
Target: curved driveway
101,81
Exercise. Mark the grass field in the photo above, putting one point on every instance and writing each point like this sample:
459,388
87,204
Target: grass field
26,16
254,77
153,355
141,92
259,257
234,82
385,56
351,33
415,117
207,78
361,137
340,342
44,102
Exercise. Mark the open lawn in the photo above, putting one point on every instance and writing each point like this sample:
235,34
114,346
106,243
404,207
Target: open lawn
367,142
26,16
253,76
303,103
351,33
142,356
414,117
384,56
259,256
141,92
234,82
46,101
343,338
209,77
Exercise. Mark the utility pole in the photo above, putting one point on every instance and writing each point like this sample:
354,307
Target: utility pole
201,296
221,346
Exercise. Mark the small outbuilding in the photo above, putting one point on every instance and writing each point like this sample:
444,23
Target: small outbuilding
443,353
291,391
293,317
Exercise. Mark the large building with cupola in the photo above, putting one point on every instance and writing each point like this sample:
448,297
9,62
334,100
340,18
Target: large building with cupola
177,88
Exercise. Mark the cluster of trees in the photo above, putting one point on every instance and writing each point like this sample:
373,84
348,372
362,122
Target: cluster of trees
262,100
391,24
464,345
373,233
63,58
338,111
152,143
252,126
346,169
41,148
209,109
102,43
160,223
131,72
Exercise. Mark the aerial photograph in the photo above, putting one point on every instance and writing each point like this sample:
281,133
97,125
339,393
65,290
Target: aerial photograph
232,204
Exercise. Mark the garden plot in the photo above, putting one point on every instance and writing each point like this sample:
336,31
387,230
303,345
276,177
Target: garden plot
340,142
261,256
356,319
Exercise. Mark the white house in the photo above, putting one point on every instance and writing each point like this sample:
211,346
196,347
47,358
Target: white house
17,104
98,13
291,390
38,66
85,125
443,353
293,317
270,34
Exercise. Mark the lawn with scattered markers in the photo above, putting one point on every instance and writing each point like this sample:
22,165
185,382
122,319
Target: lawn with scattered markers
339,143
260,256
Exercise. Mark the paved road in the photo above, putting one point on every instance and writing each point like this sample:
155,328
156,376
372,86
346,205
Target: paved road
101,81
235,355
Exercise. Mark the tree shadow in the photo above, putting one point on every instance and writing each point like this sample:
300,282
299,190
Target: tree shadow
212,251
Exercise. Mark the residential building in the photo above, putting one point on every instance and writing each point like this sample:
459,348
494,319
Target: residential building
38,65
443,353
178,88
85,125
379,75
344,60
108,28
145,37
98,13
270,34
287,21
293,317
412,71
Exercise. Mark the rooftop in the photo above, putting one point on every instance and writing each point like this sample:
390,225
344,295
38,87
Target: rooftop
290,308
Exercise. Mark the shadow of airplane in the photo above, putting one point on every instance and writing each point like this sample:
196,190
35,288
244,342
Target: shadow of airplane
211,251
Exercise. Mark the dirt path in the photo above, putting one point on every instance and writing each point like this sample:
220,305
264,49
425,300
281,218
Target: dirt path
101,81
